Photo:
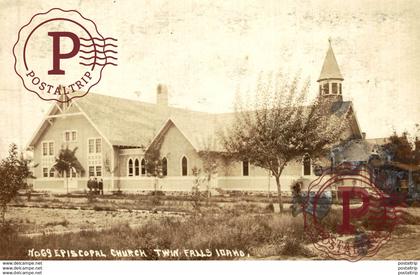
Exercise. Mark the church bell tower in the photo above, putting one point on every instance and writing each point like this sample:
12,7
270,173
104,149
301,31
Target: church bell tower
330,80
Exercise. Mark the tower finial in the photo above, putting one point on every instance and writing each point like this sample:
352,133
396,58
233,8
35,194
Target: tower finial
329,40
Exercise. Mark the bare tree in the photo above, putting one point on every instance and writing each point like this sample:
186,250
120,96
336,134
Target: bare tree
210,160
108,167
281,126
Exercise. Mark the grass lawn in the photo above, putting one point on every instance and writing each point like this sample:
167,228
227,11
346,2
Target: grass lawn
238,230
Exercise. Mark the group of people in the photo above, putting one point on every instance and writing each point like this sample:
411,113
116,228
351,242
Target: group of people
95,187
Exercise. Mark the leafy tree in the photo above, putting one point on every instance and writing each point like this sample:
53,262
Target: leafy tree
277,128
154,164
403,155
66,162
401,150
14,171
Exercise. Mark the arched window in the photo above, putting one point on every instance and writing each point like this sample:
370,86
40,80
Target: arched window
136,167
130,167
245,168
164,167
143,167
184,165
306,165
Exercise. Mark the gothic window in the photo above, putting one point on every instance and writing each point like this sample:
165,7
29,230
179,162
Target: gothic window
184,164
306,165
164,167
136,167
143,167
245,168
130,167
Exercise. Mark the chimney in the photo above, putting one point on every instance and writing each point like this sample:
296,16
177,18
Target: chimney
363,135
162,96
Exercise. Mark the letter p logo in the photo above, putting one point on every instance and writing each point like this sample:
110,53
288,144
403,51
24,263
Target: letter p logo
57,55
348,213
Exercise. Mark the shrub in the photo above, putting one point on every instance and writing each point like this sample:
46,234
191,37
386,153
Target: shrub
64,223
294,247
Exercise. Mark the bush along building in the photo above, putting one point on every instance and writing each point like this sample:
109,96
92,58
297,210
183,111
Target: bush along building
112,136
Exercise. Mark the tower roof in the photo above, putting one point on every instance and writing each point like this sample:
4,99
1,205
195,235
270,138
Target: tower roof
330,68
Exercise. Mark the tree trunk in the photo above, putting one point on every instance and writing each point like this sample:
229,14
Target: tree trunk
3,214
279,196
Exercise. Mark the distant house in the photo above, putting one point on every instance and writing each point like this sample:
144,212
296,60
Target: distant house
368,156
112,135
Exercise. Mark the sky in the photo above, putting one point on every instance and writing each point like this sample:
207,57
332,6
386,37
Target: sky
206,51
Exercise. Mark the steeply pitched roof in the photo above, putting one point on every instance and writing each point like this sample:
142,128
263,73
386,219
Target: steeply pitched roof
132,123
330,68
202,130
126,122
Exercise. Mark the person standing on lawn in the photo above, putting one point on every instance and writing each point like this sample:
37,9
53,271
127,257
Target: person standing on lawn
90,185
95,186
101,186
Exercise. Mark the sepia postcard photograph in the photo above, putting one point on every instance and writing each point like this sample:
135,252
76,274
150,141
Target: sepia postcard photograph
209,136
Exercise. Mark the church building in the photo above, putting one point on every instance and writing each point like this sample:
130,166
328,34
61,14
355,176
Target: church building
112,135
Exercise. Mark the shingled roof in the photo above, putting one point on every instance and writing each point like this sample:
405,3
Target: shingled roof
202,129
132,123
129,123
330,69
